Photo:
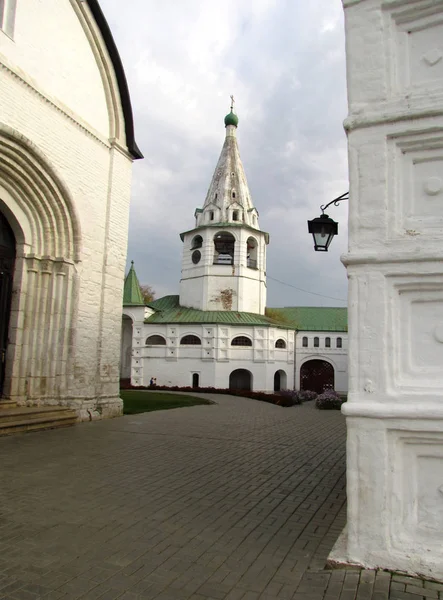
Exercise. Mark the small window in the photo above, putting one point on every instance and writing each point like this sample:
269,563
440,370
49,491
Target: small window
190,340
211,215
280,344
327,342
215,197
305,342
156,340
235,215
339,342
316,342
241,340
233,194
7,16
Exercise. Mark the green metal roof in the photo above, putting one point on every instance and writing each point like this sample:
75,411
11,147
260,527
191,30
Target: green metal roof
168,310
303,318
312,318
132,294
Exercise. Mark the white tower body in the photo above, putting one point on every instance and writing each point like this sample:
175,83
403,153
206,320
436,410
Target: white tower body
224,256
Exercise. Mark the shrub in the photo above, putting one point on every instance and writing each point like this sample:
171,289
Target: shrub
306,395
329,400
289,398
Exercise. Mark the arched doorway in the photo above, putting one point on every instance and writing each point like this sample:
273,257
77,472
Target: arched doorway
195,380
126,348
240,379
7,259
317,375
280,380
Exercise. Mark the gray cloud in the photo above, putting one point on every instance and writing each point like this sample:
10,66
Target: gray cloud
284,61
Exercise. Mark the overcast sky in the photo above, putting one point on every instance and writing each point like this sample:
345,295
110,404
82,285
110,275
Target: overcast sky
284,62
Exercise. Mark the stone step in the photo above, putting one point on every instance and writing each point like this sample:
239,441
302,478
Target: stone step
6,403
23,418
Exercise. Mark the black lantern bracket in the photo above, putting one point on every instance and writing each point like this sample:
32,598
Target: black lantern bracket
323,228
335,202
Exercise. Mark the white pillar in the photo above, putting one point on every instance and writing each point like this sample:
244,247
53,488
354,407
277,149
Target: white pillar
395,266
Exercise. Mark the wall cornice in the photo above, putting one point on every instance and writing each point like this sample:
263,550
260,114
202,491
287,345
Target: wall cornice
53,102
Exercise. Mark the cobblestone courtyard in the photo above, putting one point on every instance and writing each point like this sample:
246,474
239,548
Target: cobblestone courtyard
240,500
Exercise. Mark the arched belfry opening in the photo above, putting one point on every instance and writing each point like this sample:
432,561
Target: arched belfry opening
251,253
224,245
7,261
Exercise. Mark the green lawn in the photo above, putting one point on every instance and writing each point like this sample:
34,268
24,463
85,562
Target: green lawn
144,401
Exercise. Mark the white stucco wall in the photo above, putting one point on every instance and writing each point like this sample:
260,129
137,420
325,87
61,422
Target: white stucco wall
336,356
55,103
395,268
173,364
50,46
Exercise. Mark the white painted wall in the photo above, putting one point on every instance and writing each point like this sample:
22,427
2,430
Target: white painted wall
56,109
337,357
395,268
51,47
173,364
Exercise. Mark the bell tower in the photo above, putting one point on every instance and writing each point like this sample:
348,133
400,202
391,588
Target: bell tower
224,256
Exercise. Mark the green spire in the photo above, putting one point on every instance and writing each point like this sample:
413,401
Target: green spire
132,294
231,118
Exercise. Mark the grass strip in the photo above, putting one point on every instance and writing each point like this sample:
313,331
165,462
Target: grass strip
145,401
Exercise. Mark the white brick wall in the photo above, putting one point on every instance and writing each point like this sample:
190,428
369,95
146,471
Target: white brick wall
54,93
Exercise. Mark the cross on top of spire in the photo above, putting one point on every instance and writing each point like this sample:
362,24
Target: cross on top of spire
231,118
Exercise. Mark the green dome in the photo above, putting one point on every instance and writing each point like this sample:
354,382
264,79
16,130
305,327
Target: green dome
231,119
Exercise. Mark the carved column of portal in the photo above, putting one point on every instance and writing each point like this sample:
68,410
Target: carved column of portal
43,334
395,266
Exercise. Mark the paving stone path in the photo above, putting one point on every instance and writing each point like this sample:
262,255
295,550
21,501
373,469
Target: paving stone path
240,500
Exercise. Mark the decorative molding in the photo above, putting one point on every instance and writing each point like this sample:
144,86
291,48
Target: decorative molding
406,409
58,106
402,111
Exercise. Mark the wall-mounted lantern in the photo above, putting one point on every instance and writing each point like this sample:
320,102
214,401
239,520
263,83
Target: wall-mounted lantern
323,228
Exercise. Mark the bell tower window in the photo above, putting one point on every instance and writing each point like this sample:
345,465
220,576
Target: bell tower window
235,215
224,244
211,215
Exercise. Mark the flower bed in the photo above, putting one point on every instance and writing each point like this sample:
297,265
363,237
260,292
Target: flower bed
329,400
284,398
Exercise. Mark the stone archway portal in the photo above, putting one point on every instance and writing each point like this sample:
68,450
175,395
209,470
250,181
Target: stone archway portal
240,379
7,259
317,376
